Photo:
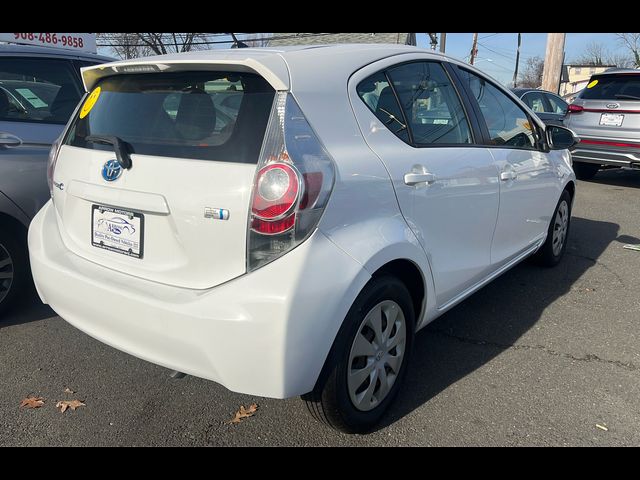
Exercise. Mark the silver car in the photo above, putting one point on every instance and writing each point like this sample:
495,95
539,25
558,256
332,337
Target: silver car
606,116
39,89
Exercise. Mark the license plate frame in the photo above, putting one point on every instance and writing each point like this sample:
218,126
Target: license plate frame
117,230
612,119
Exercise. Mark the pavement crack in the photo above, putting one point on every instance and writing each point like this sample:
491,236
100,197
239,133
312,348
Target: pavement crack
589,357
598,262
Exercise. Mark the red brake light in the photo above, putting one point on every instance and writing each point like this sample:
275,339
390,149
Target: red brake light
276,190
574,108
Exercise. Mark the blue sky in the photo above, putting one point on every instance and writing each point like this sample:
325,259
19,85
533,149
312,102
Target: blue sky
497,51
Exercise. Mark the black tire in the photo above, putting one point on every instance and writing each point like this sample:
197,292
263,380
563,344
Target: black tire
13,242
585,171
330,402
546,256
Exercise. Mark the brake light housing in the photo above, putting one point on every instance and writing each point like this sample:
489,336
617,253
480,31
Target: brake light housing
573,108
292,185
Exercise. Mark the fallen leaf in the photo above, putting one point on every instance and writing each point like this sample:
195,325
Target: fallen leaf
244,413
68,390
72,404
602,427
32,402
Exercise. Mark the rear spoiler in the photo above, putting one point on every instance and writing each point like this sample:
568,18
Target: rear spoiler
271,67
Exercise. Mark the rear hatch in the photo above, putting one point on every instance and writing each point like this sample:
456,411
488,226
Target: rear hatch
608,108
179,215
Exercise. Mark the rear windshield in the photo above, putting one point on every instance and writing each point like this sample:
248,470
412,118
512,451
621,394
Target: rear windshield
613,87
200,115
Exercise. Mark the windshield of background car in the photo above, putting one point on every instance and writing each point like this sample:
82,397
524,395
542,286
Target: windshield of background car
199,115
37,90
613,87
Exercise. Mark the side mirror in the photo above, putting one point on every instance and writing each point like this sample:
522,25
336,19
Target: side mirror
560,138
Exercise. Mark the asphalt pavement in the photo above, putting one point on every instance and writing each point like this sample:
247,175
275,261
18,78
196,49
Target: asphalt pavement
545,357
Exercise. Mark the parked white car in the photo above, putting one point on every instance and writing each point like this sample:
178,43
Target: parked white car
294,248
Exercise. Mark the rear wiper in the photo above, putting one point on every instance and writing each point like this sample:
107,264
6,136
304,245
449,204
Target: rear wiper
121,148
624,95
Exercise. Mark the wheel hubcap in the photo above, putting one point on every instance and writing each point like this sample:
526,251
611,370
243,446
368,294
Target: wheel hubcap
6,272
376,355
560,226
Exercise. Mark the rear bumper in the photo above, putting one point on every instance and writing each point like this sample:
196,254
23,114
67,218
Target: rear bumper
606,156
266,333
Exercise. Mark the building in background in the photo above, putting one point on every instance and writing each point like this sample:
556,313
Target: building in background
575,77
282,39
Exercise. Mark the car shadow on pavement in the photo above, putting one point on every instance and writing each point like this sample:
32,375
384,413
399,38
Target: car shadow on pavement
29,309
617,177
494,318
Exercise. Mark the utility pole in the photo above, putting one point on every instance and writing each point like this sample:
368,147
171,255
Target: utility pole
515,73
434,40
474,49
443,42
553,62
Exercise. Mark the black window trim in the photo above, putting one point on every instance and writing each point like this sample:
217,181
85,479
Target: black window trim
404,116
472,121
542,143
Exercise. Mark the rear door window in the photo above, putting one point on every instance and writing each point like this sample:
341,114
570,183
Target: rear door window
613,87
38,90
557,104
376,92
200,115
535,101
430,103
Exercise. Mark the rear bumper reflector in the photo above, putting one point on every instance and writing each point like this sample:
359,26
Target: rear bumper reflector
611,144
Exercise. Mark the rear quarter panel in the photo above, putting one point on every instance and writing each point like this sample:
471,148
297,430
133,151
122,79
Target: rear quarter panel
362,217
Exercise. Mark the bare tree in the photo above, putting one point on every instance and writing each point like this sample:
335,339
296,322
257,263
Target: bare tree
132,45
593,54
632,42
258,39
531,76
597,54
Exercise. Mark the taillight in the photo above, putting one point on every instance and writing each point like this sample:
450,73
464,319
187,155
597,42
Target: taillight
574,108
275,193
51,164
294,179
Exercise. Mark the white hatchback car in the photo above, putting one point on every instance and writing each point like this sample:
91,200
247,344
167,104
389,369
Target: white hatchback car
295,245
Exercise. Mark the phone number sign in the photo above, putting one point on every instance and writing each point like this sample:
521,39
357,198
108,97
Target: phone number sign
85,42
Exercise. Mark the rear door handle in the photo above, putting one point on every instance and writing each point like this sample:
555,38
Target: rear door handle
415,178
419,174
8,140
508,175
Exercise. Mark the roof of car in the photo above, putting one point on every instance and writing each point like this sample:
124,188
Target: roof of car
613,71
279,65
521,91
13,49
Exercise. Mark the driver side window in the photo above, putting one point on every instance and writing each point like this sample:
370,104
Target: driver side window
508,124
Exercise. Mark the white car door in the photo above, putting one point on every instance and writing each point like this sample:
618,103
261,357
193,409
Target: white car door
446,183
528,178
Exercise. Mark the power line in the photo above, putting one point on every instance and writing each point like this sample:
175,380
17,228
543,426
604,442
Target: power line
217,42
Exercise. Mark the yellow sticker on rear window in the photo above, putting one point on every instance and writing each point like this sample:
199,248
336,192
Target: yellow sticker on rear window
592,84
90,102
